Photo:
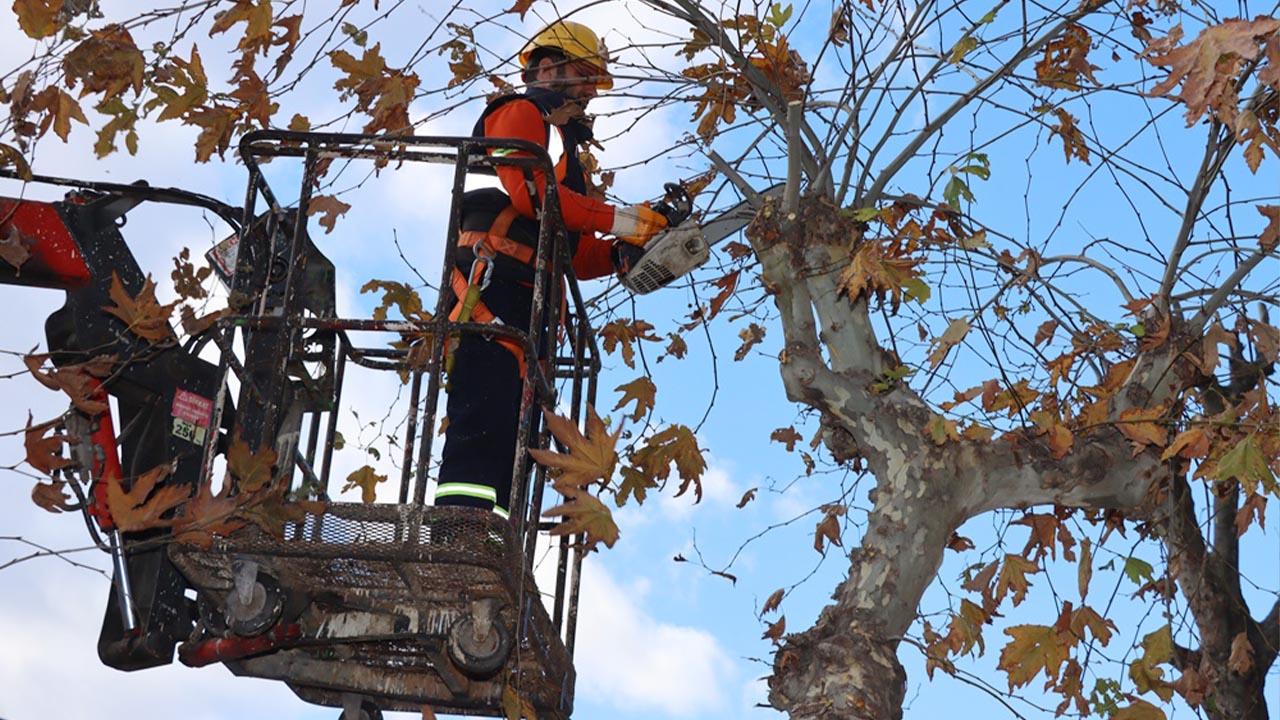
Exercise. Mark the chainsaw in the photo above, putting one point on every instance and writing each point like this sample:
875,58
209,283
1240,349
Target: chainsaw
681,248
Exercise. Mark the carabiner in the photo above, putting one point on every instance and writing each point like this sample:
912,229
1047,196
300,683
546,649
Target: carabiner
486,254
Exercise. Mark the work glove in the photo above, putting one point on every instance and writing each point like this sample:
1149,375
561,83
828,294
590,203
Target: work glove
637,224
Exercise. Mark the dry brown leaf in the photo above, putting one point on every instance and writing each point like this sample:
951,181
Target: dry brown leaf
14,247
52,496
1142,427
367,480
45,453
585,514
1033,649
827,530
329,208
772,603
144,504
1241,660
642,392
1013,576
1206,66
207,515
251,470
590,458
1270,236
1255,504
144,315
776,630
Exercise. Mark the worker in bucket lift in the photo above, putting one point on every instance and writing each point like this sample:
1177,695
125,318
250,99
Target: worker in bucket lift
565,65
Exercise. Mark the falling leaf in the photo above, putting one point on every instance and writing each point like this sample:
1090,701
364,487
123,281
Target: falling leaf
772,603
747,497
142,506
522,7
1034,648
590,458
776,630
585,514
52,496
367,480
251,469
787,436
642,392
1241,660
329,207
751,336
144,315
428,713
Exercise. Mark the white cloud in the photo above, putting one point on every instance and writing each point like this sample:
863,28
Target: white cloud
631,660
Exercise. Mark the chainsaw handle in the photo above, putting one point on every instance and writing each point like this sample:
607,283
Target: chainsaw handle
676,205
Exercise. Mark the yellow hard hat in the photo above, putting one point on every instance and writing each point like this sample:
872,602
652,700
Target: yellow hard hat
577,42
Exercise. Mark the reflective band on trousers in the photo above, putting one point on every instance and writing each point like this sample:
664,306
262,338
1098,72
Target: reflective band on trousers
481,492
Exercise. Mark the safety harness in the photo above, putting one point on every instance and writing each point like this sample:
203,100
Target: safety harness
467,288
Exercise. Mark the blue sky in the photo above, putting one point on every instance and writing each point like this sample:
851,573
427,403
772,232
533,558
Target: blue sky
658,638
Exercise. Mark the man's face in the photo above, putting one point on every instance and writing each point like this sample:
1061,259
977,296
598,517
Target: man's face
575,80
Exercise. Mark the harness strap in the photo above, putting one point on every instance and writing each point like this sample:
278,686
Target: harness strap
479,312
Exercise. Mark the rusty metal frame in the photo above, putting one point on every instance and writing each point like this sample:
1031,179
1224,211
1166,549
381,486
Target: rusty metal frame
273,326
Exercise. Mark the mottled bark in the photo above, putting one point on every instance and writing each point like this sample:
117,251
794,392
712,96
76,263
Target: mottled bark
846,665
1210,582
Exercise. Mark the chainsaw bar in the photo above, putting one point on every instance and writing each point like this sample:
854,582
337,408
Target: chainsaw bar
737,217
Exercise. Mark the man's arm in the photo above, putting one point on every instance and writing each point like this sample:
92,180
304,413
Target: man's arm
521,119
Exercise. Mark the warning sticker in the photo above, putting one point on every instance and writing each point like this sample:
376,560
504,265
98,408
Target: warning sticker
191,415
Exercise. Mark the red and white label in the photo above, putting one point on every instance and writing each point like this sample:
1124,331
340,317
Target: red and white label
191,416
